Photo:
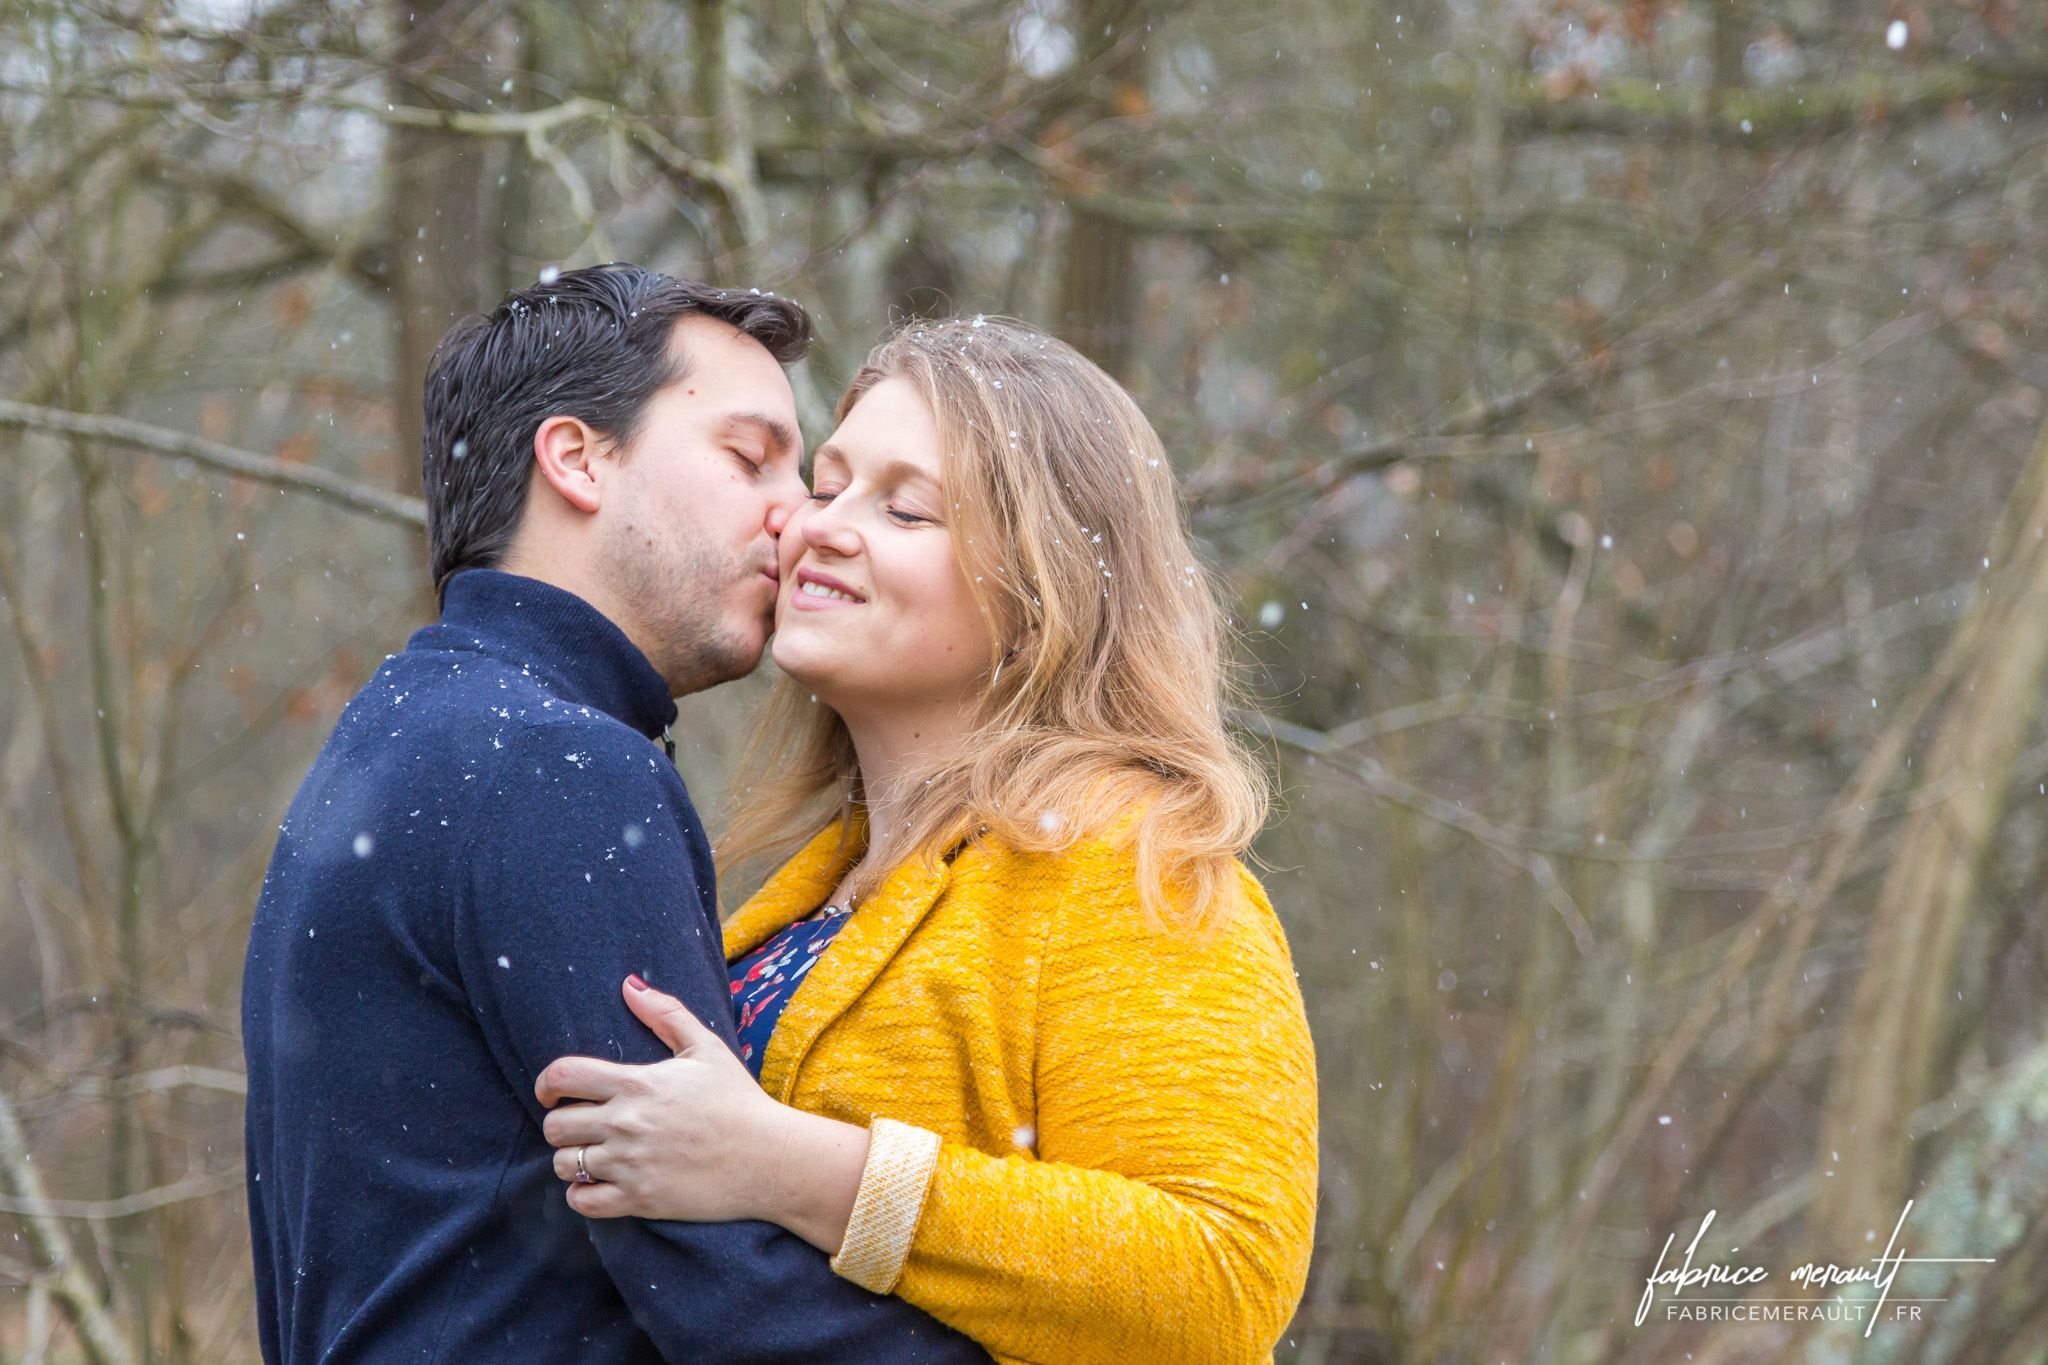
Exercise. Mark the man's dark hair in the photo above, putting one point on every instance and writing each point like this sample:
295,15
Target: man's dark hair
591,344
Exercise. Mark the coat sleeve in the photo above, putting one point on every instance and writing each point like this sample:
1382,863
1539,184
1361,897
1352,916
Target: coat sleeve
592,866
1168,1211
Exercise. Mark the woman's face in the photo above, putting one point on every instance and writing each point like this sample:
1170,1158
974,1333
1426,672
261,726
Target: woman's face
874,613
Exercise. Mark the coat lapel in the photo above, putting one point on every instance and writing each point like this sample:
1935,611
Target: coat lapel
856,957
798,887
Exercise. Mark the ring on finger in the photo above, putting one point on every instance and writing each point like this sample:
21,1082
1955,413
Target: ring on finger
583,1175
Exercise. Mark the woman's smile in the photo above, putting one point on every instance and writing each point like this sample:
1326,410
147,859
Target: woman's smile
817,591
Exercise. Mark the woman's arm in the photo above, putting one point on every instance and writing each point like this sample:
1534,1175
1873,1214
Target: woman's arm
1170,1209
695,1139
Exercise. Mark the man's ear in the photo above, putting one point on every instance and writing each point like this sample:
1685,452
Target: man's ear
568,452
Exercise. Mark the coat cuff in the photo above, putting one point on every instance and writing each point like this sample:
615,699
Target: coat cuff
901,1159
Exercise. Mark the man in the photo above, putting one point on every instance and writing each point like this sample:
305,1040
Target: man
492,839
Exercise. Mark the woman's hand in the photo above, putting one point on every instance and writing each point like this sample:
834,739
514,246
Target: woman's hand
694,1138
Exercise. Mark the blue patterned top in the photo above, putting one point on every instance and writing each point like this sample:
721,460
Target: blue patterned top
765,979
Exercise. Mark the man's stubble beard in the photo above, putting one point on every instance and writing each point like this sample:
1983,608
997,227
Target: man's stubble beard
678,588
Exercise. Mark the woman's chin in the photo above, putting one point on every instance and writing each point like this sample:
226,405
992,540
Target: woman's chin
797,659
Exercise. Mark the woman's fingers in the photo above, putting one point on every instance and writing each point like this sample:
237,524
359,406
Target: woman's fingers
691,1138
565,1162
581,1078
575,1124
669,1017
598,1201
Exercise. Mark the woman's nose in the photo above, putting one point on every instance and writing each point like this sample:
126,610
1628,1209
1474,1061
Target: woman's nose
827,528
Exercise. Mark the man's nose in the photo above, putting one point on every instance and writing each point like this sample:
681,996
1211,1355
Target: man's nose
788,495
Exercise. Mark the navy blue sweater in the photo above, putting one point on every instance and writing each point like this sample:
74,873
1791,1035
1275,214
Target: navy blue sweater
490,841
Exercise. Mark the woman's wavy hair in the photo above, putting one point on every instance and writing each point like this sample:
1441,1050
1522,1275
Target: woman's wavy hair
1105,712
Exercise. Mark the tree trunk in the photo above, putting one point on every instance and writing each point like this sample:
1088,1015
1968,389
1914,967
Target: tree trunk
1098,282
443,247
1097,297
1899,1014
737,215
1731,41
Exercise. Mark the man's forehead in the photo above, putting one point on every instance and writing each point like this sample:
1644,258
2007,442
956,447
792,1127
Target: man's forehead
700,333
733,379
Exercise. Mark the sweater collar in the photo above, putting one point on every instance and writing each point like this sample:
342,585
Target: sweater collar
574,647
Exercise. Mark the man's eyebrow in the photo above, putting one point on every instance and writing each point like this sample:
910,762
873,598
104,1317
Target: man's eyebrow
781,435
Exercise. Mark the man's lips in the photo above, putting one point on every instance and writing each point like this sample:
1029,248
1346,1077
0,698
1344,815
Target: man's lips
816,590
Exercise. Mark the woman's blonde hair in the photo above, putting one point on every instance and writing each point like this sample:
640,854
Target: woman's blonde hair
1106,644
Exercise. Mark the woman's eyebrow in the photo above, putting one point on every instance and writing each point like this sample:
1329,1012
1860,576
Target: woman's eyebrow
899,472
893,474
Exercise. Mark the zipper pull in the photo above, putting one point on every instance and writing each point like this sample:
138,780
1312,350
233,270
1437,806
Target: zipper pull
668,742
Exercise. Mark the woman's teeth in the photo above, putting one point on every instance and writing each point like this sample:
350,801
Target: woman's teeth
815,589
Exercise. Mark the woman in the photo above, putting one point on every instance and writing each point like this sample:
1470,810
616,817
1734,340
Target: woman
1030,1051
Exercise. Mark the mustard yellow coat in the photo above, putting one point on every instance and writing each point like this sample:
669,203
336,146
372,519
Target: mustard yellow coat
1128,1113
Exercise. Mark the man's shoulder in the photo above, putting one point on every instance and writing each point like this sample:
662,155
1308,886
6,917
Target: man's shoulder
576,747
476,697
521,738
466,732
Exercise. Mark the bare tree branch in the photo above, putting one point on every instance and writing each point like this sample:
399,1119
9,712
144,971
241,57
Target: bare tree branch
142,1201
331,488
73,1288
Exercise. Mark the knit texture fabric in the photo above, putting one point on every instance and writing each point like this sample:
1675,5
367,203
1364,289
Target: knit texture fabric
886,1207
489,842
1127,1110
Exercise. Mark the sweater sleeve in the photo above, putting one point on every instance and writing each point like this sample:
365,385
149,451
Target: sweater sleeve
1168,1211
591,868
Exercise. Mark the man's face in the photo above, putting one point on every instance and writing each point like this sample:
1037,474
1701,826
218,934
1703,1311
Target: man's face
708,481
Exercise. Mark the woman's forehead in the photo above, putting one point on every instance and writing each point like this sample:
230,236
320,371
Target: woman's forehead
889,434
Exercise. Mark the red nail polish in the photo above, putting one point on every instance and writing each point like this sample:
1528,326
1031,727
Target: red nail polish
635,982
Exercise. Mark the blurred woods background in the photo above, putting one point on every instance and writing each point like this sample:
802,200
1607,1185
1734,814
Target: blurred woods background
1616,427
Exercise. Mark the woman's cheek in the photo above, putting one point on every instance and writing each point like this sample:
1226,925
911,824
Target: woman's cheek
790,547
